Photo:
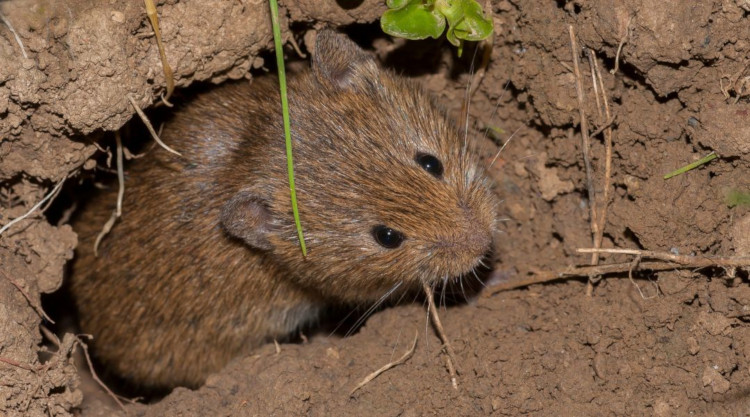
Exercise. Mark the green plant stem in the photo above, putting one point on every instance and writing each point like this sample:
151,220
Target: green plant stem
694,165
285,115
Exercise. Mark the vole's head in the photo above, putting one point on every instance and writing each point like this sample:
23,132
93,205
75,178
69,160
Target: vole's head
389,193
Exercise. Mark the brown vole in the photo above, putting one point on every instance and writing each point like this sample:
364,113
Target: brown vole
205,265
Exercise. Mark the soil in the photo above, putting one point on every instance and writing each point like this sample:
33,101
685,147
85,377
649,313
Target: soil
662,343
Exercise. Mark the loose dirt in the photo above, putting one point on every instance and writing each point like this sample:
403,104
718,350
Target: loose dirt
665,343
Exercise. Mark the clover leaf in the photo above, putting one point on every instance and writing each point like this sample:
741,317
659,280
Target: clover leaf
412,19
419,19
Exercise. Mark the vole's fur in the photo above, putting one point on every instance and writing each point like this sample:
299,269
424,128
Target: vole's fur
205,264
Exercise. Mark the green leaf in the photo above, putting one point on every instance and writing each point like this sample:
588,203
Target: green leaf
412,19
466,20
737,198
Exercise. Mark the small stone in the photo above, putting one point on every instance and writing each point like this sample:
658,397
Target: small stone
496,403
117,17
662,409
332,353
718,383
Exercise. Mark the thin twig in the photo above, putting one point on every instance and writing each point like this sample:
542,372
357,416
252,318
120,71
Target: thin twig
607,124
408,354
16,364
150,128
37,308
36,206
619,47
685,260
447,347
13,31
669,261
93,372
579,272
634,265
51,336
120,173
120,194
296,47
55,192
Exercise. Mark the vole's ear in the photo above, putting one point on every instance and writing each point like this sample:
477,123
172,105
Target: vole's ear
339,62
247,216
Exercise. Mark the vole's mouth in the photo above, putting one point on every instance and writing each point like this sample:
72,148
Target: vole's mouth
463,285
475,272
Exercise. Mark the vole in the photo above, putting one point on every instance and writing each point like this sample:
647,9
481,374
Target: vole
205,263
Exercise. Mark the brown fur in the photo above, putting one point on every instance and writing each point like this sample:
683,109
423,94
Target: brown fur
205,264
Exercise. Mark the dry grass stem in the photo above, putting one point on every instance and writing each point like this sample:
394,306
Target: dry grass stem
36,206
95,376
602,128
683,260
602,107
619,47
153,16
120,194
15,35
585,148
634,265
405,357
150,127
666,261
580,271
447,347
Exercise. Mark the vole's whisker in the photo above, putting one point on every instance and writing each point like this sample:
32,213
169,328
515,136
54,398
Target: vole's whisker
467,97
461,284
403,294
343,320
374,307
442,292
479,280
502,147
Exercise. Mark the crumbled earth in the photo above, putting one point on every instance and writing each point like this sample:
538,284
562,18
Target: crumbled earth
662,343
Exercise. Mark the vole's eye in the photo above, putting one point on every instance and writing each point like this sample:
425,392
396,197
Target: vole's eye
387,237
430,164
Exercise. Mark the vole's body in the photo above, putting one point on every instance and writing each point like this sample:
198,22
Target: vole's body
204,264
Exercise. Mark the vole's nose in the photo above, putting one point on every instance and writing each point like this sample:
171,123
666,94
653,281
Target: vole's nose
469,239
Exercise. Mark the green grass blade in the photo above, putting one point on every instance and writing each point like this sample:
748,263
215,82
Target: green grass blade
688,167
285,115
